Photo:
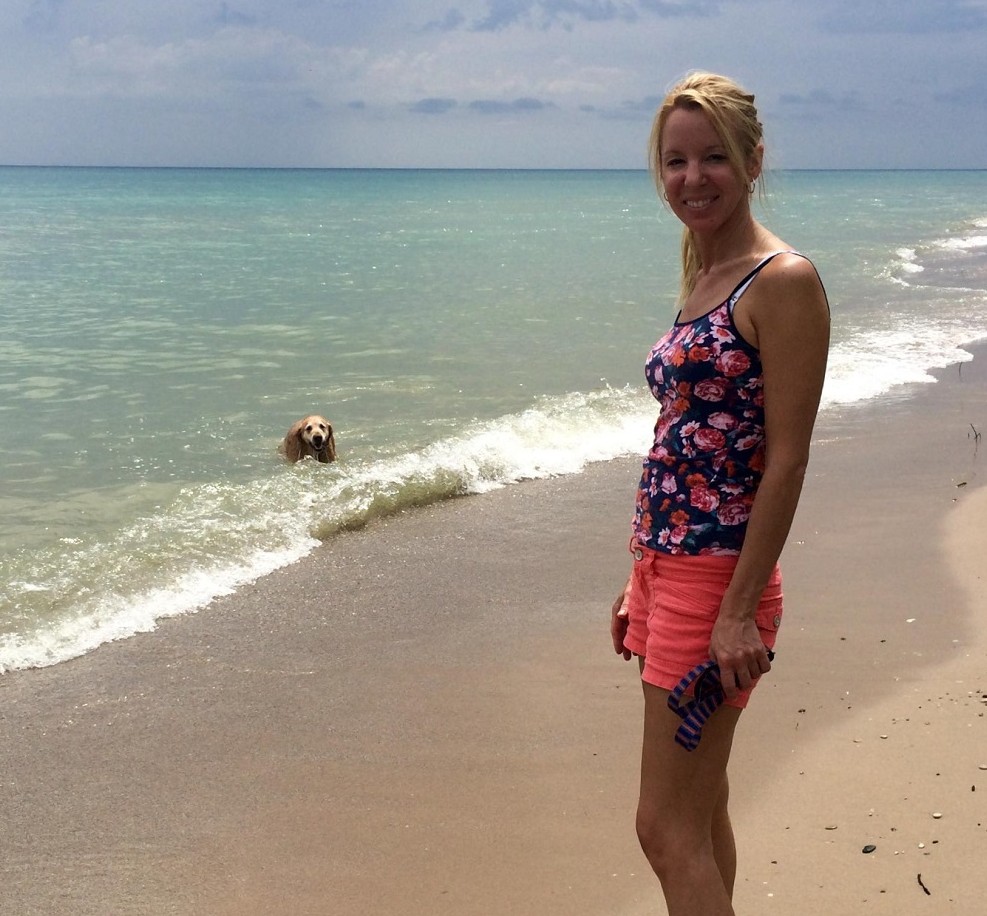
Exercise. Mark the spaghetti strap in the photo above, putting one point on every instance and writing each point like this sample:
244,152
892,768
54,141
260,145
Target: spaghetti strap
741,287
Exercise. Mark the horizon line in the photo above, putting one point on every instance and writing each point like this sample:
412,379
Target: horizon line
443,168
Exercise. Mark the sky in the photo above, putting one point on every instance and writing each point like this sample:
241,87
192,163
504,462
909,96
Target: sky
481,83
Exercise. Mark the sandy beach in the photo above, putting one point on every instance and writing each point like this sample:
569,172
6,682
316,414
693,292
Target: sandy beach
426,717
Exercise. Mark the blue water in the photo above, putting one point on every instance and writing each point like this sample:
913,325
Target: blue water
462,330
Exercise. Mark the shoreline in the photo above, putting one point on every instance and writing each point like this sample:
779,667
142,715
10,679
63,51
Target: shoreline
405,720
883,736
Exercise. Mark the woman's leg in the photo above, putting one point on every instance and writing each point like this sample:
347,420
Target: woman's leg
682,821
724,847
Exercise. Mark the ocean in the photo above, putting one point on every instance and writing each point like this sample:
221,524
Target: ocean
463,331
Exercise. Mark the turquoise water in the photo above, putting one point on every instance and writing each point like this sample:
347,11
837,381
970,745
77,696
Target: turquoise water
462,330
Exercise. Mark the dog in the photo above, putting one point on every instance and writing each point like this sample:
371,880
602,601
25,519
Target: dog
310,437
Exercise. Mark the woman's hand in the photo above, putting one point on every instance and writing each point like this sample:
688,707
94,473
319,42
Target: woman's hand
618,625
736,646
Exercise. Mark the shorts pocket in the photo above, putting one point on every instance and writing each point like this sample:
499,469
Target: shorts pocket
769,614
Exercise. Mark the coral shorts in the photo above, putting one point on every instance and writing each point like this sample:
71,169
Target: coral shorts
672,604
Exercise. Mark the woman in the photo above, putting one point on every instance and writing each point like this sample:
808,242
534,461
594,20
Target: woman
739,377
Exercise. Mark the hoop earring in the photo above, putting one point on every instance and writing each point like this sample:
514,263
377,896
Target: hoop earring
751,187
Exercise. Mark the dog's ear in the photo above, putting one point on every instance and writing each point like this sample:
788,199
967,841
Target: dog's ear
291,446
331,445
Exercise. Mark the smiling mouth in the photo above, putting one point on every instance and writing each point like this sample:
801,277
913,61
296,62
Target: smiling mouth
699,204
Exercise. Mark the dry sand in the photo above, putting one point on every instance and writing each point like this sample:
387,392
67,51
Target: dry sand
426,717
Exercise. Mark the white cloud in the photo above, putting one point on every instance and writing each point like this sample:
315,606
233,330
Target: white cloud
561,82
130,65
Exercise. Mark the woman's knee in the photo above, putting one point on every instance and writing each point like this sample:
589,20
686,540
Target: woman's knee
652,836
672,832
663,839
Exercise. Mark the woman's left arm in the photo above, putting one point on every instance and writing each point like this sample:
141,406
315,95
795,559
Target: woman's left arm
789,316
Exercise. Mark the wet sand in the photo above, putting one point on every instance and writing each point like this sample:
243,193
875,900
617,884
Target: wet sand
426,716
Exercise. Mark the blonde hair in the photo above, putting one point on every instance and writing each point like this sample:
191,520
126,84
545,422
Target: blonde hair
731,111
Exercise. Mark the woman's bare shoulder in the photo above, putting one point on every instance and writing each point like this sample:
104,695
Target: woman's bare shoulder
791,276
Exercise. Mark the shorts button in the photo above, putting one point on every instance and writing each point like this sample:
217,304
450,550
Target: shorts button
638,553
777,620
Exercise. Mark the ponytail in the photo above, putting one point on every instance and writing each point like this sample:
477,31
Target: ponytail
691,265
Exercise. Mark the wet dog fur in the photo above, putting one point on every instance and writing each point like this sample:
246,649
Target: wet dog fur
310,437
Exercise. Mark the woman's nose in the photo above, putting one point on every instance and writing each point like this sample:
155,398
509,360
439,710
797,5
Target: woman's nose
694,173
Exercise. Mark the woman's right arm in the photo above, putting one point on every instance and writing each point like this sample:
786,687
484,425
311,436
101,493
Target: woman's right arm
619,622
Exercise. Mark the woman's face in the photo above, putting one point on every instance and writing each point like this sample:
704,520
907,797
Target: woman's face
698,179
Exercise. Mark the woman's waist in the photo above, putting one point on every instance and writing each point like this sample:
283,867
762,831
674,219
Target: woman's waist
687,567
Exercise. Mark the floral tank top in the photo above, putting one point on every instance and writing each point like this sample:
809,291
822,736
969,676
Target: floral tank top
701,475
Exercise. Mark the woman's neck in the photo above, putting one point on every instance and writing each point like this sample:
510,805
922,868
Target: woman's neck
730,244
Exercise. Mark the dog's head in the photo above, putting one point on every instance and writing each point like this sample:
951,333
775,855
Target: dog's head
316,431
310,437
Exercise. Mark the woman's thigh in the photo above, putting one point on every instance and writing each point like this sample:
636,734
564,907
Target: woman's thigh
680,788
